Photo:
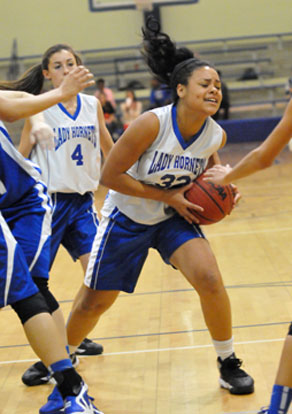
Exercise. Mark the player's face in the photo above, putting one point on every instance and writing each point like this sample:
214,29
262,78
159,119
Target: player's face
203,92
60,64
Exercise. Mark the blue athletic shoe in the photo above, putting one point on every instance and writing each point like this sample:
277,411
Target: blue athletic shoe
81,403
264,410
55,403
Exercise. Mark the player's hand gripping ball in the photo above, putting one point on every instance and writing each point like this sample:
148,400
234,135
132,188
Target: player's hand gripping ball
216,200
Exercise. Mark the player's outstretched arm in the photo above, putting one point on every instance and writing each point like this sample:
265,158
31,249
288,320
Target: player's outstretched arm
15,105
258,159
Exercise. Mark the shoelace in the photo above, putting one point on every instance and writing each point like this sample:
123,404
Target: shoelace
234,364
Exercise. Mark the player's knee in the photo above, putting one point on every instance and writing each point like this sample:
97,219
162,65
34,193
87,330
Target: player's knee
43,286
31,306
209,283
92,307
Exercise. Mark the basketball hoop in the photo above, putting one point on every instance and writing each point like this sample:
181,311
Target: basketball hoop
144,5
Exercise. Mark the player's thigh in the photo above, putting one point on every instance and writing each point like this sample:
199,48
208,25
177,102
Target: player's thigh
198,264
84,259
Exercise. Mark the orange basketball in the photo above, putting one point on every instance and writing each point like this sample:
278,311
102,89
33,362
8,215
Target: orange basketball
216,200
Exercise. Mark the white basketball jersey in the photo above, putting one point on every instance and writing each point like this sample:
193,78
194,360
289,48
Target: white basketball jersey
74,165
170,162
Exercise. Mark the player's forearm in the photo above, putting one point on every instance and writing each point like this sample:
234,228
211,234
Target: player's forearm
22,107
125,184
250,164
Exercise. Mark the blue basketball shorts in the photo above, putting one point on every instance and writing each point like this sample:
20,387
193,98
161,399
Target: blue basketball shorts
74,223
30,223
15,280
121,248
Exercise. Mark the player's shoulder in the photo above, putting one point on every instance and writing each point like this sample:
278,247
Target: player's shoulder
213,125
162,110
88,100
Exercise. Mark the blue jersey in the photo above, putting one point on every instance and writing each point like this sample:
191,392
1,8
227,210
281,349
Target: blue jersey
25,205
15,280
17,174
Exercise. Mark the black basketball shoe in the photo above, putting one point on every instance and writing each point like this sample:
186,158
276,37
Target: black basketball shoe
88,347
232,378
38,374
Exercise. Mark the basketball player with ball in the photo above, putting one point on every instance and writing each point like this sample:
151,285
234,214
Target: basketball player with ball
258,159
149,170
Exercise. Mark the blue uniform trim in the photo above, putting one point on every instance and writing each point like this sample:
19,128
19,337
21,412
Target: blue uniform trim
78,108
183,143
4,132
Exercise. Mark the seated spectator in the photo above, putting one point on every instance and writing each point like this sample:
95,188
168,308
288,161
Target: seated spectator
288,87
223,111
101,88
160,94
131,108
113,124
249,74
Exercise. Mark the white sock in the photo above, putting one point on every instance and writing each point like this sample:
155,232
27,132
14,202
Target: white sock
72,349
223,348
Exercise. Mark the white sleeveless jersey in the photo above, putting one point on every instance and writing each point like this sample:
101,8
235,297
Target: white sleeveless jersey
168,163
74,165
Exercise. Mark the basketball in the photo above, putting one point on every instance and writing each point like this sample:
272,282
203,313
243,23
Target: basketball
216,200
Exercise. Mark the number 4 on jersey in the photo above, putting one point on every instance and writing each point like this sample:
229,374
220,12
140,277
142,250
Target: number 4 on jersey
77,155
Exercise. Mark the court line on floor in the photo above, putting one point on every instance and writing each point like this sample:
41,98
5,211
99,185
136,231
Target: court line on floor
246,412
152,334
284,283
241,412
147,351
240,233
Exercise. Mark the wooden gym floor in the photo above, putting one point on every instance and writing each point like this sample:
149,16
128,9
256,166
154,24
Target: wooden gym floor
158,355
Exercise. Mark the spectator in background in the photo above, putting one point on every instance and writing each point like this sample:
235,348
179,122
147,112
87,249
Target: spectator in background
131,108
160,94
112,123
225,103
288,87
101,88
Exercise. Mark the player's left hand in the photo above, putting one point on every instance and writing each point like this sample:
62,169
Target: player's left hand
41,133
237,195
217,174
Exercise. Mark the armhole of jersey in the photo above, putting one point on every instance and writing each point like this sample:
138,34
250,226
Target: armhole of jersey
222,138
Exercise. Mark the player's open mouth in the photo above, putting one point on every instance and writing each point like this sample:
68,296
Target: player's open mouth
211,100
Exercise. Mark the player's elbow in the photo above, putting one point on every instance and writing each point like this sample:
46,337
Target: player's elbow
266,163
262,160
105,179
8,117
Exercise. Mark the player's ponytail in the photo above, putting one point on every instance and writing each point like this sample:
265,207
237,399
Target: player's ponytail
32,80
169,64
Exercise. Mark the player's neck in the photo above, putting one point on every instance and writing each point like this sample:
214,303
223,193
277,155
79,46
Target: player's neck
70,105
189,126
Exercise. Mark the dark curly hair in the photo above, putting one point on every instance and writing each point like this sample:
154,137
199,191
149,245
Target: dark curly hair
169,64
